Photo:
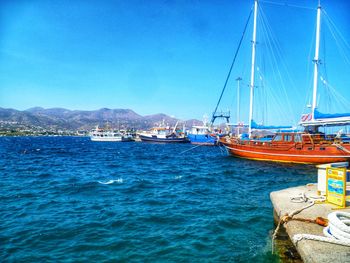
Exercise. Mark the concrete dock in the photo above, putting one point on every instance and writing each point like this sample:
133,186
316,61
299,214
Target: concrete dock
309,250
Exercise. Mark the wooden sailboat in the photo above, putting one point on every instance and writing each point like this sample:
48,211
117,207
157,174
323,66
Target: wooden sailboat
309,146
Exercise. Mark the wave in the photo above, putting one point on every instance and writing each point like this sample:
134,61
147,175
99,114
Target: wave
119,181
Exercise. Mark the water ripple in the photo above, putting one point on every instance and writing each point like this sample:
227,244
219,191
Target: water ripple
70,199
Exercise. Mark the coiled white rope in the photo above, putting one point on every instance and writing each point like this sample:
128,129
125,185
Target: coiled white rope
303,198
337,231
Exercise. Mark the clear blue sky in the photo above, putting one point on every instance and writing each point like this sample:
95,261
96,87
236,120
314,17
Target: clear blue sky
158,56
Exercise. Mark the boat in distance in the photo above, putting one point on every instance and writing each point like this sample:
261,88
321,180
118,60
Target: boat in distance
107,135
163,135
167,139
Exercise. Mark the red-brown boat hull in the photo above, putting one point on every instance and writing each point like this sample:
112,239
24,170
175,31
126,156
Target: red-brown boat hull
287,152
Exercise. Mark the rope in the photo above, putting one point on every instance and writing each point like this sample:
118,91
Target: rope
196,146
275,61
299,237
301,198
233,62
287,5
337,232
191,148
287,217
341,147
223,150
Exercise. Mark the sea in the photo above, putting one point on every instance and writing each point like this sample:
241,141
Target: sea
67,199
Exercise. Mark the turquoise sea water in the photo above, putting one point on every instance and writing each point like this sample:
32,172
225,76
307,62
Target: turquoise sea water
68,199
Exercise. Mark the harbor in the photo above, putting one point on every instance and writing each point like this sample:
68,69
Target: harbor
175,131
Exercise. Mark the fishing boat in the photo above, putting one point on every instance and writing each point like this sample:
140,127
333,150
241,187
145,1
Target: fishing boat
163,134
203,134
108,135
103,135
308,146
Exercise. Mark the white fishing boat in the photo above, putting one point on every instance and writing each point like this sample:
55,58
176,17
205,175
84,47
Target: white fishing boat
163,134
104,135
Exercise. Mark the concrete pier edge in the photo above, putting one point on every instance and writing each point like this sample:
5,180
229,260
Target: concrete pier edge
309,250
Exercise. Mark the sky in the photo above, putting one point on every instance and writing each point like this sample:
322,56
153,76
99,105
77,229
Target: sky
169,57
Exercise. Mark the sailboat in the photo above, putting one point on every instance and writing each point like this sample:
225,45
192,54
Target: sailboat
309,146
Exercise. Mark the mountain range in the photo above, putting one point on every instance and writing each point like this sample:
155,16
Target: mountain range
60,118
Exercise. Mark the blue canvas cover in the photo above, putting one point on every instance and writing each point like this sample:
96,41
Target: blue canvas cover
319,115
254,125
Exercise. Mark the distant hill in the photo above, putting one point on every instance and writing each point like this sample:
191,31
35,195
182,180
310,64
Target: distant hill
59,118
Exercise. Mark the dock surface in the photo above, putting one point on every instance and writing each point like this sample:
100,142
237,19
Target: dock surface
309,250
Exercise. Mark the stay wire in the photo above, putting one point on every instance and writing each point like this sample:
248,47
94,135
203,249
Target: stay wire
286,4
233,62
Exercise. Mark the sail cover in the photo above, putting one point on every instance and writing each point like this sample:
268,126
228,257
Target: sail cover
319,115
254,125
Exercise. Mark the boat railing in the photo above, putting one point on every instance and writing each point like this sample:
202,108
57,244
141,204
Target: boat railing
325,139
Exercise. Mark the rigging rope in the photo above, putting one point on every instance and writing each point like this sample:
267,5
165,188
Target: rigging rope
277,64
233,62
337,231
335,32
285,4
340,99
341,147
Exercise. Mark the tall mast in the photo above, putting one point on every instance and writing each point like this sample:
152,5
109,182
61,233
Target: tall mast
238,102
316,60
252,76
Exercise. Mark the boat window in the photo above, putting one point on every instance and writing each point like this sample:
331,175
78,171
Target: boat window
297,138
287,137
278,138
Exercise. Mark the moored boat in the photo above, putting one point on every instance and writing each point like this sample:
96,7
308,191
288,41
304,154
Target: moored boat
108,135
163,134
291,147
102,135
202,135
310,146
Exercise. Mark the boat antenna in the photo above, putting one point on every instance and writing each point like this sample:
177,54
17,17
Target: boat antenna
252,76
229,73
316,61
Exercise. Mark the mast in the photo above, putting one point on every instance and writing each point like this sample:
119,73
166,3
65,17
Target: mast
238,102
316,61
252,76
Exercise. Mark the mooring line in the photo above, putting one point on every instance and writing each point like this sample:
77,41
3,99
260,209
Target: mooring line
196,146
191,148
